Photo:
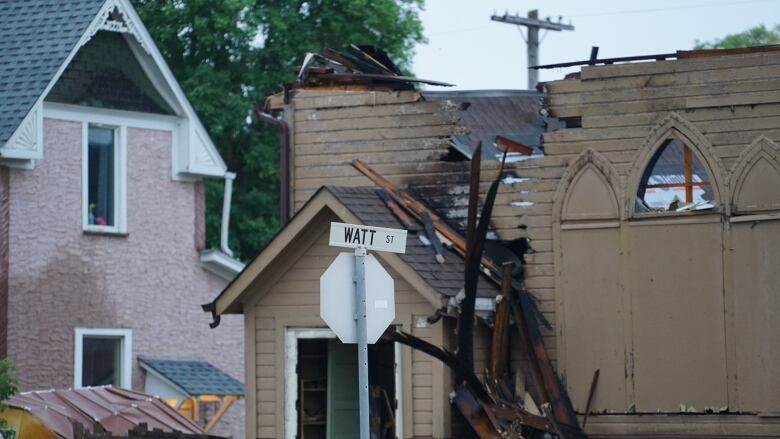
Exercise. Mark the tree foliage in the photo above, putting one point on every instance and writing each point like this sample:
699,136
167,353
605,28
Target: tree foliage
230,54
755,36
8,383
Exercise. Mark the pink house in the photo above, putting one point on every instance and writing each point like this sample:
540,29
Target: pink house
102,162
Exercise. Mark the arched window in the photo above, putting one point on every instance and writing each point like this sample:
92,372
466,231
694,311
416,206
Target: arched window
675,180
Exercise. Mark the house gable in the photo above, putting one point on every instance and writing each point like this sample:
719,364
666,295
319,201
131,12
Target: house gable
21,114
291,242
106,74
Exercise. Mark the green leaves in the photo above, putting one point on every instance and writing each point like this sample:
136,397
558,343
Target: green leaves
755,36
9,386
229,54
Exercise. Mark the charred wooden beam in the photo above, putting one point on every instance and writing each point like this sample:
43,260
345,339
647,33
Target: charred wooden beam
499,345
545,378
430,231
475,414
591,394
471,276
446,357
403,217
472,273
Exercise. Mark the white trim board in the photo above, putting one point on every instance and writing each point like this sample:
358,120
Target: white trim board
291,337
126,335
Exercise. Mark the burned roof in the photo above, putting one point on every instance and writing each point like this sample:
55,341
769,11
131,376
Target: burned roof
36,37
446,278
513,114
194,377
355,65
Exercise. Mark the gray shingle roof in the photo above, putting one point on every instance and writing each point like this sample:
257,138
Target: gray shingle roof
514,114
195,377
35,38
446,278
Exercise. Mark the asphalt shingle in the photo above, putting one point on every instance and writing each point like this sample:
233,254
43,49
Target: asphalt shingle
196,377
446,278
36,37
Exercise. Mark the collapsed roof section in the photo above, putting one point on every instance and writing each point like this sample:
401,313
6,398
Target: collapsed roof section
492,115
355,65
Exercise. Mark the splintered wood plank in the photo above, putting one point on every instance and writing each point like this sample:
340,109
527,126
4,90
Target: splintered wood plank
437,130
702,115
686,65
732,99
372,158
414,108
362,147
647,93
334,99
404,121
666,80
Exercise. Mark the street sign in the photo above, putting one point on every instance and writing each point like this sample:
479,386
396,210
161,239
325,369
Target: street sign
371,238
358,314
337,298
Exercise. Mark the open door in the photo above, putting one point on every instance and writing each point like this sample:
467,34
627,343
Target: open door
343,409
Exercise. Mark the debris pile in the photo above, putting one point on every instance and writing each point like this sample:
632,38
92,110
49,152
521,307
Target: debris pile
491,406
355,65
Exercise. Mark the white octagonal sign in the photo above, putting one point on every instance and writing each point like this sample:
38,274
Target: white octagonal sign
337,298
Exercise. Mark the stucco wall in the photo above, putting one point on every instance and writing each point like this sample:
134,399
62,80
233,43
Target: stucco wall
149,280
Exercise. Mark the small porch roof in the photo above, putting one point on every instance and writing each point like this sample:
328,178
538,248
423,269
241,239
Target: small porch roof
193,378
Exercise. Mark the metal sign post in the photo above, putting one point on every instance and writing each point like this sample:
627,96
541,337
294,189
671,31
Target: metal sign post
362,333
360,323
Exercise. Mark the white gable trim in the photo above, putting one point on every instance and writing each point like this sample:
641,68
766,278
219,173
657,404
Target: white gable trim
194,154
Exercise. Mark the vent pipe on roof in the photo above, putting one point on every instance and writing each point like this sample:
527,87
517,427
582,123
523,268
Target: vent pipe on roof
226,201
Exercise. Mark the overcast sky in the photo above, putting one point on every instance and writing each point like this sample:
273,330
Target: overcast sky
469,50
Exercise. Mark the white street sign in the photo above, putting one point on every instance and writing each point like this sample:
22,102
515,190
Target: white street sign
338,303
372,238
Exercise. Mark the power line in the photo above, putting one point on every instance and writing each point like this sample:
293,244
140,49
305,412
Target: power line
533,24
624,12
672,8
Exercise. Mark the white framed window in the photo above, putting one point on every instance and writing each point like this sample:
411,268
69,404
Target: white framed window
104,178
103,357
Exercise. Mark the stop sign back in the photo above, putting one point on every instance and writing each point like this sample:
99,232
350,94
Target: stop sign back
337,298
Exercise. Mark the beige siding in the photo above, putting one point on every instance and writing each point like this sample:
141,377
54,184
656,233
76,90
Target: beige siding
293,301
661,306
401,136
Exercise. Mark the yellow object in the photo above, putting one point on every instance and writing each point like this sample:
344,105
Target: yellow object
26,425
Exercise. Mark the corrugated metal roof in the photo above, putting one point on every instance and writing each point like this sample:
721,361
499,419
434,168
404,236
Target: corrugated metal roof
195,377
446,278
116,410
36,37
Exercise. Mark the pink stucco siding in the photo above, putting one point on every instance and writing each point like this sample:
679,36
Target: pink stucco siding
148,280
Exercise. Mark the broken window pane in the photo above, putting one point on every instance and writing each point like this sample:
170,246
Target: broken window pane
675,180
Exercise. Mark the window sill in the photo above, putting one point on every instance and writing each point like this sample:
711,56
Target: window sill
105,231
692,217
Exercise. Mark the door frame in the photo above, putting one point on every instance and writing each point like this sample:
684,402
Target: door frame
291,337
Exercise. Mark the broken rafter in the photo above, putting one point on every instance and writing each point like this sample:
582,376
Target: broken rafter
545,379
499,345
417,208
433,237
445,356
474,247
399,213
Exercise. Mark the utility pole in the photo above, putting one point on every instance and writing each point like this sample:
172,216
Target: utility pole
533,23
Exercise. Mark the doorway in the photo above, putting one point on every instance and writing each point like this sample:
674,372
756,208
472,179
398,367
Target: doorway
321,387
